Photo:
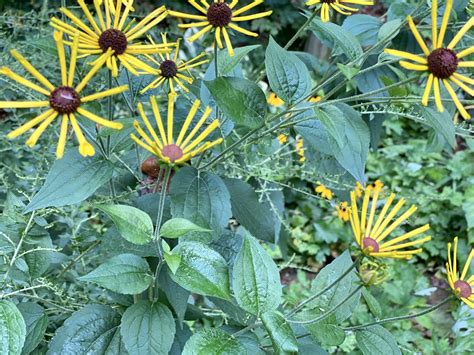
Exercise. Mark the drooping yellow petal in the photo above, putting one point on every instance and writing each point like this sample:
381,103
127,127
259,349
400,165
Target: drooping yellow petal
30,124
427,92
456,101
32,70
85,148
20,80
105,93
31,142
417,36
437,95
99,120
62,137
467,265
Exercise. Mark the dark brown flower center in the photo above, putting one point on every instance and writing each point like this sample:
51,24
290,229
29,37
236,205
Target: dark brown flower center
465,290
442,63
371,244
172,151
169,69
64,100
114,39
219,14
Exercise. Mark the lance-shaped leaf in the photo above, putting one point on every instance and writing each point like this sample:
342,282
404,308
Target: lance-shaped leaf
12,328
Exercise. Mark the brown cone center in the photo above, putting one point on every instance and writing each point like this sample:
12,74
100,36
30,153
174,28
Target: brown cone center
465,290
114,39
442,63
219,14
168,68
65,100
371,244
172,151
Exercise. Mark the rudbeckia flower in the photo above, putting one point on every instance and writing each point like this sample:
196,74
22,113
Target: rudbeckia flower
63,100
114,30
461,286
343,211
171,69
274,100
221,18
163,144
441,63
371,233
282,138
339,6
323,191
300,149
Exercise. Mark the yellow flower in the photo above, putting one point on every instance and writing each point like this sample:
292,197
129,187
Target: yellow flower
171,69
300,149
220,17
338,5
369,232
442,63
163,143
63,100
274,100
315,99
377,185
343,211
358,189
324,191
282,138
461,286
113,30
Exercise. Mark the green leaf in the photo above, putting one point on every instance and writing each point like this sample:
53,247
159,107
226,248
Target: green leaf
389,30
12,329
202,270
148,328
226,63
280,332
177,227
176,295
133,224
249,212
36,323
172,261
255,278
326,332
239,99
343,41
335,295
90,330
348,71
125,274
71,180
349,138
372,303
364,27
377,340
288,76
441,122
201,198
213,342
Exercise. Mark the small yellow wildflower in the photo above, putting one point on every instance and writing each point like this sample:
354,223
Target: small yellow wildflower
282,138
315,99
300,149
274,100
343,211
461,286
324,191
377,185
358,189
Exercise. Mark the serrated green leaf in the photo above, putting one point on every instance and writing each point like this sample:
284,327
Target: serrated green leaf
326,332
288,76
441,122
372,303
202,270
148,328
133,224
255,278
12,329
176,295
36,321
280,332
90,330
177,227
377,340
226,63
239,99
71,180
125,274
213,342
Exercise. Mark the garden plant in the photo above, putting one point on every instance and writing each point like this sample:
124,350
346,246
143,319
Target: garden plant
237,177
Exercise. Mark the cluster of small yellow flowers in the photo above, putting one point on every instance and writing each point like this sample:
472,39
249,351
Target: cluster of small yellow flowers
300,149
282,138
323,191
343,211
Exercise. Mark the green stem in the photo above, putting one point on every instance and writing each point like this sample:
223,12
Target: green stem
301,30
395,319
331,311
356,263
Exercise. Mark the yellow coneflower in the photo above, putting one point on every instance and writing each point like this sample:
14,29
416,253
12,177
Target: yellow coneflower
377,185
315,99
282,138
358,190
343,211
64,100
113,30
370,233
339,6
274,100
324,191
441,63
461,286
300,149
171,69
163,143
220,17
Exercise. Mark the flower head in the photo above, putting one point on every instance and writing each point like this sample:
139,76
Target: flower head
171,70
300,149
338,5
274,100
358,190
343,211
370,233
163,144
461,286
441,63
323,191
220,17
282,138
64,100
113,29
